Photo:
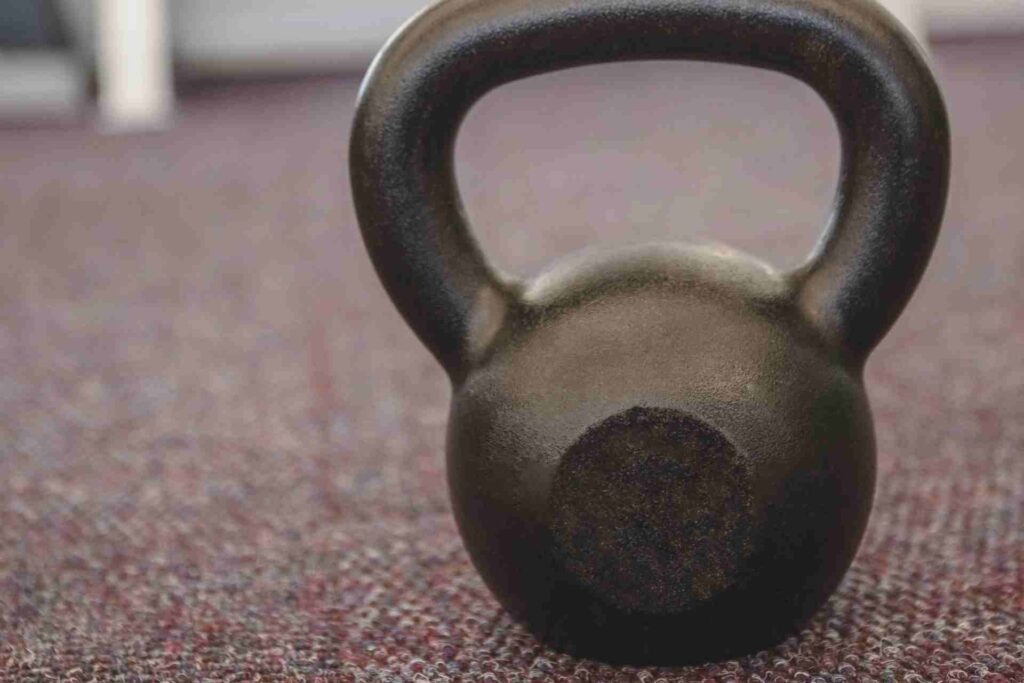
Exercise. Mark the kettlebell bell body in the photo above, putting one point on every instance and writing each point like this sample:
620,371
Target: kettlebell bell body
662,454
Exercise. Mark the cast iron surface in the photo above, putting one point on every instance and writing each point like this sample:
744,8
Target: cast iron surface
664,453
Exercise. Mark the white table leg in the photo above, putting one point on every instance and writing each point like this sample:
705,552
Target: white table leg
912,14
134,64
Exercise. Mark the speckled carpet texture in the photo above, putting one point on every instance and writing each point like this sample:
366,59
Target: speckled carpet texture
221,451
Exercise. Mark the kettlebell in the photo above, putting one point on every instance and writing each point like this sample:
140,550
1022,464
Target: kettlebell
663,454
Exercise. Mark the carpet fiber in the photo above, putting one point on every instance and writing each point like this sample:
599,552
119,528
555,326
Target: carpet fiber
221,451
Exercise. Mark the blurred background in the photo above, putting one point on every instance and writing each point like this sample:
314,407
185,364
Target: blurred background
221,450
54,50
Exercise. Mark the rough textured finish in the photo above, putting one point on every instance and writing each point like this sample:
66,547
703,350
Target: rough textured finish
221,447
769,360
651,507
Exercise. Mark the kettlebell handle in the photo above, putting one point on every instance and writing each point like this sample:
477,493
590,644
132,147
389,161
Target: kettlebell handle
891,119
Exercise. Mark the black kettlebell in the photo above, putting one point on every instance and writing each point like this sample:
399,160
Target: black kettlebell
664,455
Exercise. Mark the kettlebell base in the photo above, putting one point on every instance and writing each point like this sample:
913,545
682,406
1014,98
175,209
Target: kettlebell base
715,632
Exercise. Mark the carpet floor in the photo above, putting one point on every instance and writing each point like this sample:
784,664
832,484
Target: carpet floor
221,451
